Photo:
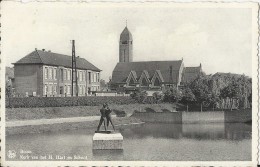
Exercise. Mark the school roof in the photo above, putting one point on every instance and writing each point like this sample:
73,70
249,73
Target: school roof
55,59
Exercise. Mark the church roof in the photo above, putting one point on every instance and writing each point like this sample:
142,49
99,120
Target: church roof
190,73
126,35
122,70
55,59
192,69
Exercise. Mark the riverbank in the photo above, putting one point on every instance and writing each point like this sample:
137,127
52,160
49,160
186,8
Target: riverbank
38,120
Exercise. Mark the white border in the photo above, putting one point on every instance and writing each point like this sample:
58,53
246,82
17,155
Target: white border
213,4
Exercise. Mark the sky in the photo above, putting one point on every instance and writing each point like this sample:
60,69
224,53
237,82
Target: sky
218,38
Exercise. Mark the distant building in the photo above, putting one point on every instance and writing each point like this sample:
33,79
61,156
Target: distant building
44,73
127,75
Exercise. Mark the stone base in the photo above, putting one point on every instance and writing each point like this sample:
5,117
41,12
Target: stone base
103,141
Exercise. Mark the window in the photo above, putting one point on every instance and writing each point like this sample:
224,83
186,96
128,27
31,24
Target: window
45,89
83,90
46,72
83,75
80,76
89,77
55,73
92,77
50,73
65,74
68,75
61,74
50,89
54,89
132,82
156,82
65,89
144,82
68,89
98,77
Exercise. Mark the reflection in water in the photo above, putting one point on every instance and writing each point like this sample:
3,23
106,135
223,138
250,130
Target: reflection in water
172,142
234,131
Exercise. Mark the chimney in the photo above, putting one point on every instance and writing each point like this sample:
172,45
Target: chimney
35,49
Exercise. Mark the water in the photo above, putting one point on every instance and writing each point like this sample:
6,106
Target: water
146,142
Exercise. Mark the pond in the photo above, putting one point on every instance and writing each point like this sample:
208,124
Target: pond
145,142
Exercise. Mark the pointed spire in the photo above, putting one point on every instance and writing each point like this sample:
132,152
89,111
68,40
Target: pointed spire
126,22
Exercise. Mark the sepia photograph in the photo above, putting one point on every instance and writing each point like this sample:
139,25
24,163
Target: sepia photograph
130,83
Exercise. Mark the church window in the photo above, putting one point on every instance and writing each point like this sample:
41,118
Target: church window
144,82
131,82
156,82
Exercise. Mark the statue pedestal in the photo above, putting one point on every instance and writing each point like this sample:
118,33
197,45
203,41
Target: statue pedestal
107,141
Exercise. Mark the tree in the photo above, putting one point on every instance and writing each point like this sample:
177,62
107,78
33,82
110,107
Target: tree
232,91
172,95
200,88
187,96
8,89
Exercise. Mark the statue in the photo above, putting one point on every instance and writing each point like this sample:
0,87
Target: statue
105,117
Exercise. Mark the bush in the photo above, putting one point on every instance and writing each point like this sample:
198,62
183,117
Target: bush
139,96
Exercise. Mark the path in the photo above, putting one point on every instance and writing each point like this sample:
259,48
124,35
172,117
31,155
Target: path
51,121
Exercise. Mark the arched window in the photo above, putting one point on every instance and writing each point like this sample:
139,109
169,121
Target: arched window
144,82
156,82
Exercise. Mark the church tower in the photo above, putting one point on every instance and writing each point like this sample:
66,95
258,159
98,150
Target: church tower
126,46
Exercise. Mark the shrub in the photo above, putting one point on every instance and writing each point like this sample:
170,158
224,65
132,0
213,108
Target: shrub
139,96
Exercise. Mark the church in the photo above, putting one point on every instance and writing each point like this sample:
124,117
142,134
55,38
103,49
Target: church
129,75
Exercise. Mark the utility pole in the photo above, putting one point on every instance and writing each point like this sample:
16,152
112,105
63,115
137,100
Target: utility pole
74,78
